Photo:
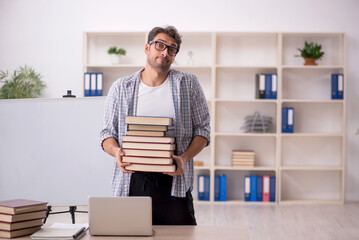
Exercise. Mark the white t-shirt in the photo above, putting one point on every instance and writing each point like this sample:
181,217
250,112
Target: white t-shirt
156,101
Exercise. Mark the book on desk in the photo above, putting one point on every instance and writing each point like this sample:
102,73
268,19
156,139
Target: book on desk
21,217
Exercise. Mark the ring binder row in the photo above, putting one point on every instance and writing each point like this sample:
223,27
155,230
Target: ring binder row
220,188
266,86
93,84
256,188
259,188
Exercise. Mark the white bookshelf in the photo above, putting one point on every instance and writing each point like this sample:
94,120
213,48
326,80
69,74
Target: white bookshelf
308,164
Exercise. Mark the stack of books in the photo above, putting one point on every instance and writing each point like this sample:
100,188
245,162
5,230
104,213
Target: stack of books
243,158
21,217
145,145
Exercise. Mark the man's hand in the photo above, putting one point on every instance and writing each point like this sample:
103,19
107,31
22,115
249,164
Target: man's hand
118,154
181,164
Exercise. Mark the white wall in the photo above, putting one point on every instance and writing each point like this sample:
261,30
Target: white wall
48,36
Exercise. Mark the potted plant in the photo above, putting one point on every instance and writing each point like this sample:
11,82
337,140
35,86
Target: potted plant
116,54
311,52
24,83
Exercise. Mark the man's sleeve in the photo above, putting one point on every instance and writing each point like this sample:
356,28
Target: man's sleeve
110,121
200,112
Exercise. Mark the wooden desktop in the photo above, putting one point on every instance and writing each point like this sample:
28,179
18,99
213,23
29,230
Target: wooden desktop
207,232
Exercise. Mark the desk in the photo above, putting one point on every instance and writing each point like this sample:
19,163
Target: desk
201,232
215,232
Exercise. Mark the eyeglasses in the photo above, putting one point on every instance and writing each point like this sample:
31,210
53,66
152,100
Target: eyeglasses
160,46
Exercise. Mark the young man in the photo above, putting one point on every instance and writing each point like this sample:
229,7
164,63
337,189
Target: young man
158,90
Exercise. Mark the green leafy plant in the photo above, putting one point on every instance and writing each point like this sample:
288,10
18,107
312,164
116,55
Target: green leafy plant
311,50
24,83
114,50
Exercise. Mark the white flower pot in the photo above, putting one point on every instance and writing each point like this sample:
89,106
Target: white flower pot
115,59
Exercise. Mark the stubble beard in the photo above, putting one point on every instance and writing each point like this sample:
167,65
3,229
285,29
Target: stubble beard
164,67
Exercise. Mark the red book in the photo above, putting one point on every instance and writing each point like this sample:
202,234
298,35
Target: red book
17,206
265,188
151,167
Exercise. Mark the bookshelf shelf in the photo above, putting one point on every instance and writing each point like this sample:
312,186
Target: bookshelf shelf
202,167
245,134
255,168
119,66
312,101
309,163
311,201
311,135
243,67
245,101
242,202
311,168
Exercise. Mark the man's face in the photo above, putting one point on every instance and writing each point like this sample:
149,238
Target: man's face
160,60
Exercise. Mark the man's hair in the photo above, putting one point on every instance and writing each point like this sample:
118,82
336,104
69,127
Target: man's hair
169,30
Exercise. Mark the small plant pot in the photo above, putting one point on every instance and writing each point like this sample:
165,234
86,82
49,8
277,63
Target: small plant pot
115,59
310,62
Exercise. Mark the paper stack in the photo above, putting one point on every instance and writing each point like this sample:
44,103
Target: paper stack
243,158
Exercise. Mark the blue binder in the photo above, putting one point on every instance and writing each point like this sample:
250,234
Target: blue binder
99,88
247,188
340,86
216,188
272,189
274,86
87,77
290,120
287,120
93,84
259,188
334,86
222,188
268,86
284,120
200,187
253,188
337,86
203,187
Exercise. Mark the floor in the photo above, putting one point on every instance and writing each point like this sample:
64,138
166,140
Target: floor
274,222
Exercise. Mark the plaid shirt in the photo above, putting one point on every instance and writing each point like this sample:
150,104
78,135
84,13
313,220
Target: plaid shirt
191,119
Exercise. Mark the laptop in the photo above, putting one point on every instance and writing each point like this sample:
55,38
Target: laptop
120,216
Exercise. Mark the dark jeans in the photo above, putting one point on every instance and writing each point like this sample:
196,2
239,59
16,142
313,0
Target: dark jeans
166,210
